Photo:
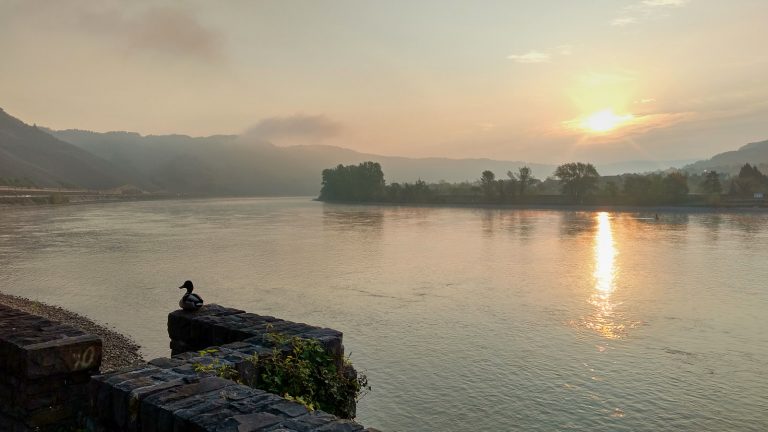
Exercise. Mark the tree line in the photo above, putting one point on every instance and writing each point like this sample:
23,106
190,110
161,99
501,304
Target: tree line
570,183
16,182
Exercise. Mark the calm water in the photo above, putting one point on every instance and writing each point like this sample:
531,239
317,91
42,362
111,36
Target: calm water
464,319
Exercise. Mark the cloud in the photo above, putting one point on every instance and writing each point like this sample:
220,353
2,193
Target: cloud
299,126
530,57
173,31
125,27
486,127
675,3
633,125
621,22
565,50
644,10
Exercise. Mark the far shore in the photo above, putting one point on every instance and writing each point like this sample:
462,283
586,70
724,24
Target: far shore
28,202
510,206
566,207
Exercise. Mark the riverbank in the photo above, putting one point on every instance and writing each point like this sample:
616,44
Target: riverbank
118,350
564,207
59,199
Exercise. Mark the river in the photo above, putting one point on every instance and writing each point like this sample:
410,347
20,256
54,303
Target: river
463,319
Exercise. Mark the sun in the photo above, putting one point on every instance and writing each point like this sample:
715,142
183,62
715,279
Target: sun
604,121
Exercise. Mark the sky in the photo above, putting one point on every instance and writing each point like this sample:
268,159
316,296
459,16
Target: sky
545,81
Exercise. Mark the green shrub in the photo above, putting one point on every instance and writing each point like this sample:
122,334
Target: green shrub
300,370
307,373
217,368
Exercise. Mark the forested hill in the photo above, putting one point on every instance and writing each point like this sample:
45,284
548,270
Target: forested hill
229,164
215,165
28,155
232,164
755,153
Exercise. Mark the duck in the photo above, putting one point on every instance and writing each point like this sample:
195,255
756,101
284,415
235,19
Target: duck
190,302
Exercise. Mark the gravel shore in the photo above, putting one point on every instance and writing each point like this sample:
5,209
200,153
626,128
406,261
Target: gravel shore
118,350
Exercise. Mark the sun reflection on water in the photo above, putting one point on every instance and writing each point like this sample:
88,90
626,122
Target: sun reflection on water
605,254
604,319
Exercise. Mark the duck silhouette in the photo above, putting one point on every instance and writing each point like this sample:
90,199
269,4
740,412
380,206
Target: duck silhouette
189,301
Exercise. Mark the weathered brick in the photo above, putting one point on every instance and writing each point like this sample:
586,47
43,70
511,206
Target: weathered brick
164,394
45,367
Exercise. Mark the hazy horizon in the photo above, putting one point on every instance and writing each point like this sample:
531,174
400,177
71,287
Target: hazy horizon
520,215
617,81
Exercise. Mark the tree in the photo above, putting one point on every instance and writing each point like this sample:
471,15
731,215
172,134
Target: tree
675,186
577,179
364,182
749,180
511,185
642,189
488,183
394,192
417,192
525,178
611,189
654,189
711,183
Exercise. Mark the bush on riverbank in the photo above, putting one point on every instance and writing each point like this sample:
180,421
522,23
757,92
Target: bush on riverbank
300,370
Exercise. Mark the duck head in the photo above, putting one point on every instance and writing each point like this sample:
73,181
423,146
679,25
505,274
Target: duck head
188,286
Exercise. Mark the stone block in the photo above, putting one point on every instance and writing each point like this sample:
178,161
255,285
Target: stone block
45,367
60,356
255,421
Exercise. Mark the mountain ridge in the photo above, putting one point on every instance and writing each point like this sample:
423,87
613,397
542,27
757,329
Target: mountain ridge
246,165
755,153
27,152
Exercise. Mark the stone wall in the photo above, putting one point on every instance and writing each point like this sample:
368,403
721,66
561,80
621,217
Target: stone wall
45,367
168,394
216,325
47,380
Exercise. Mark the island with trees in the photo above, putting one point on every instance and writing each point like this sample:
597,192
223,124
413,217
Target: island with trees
574,183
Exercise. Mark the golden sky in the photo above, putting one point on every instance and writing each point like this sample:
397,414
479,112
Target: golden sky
541,81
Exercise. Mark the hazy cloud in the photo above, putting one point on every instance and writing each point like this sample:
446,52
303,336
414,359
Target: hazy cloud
124,27
530,57
173,31
486,127
621,22
646,9
565,50
633,125
299,126
653,3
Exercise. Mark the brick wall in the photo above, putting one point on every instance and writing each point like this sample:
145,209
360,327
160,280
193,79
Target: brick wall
48,381
168,394
45,367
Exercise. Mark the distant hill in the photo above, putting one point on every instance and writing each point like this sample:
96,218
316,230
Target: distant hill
755,153
402,169
222,164
229,164
27,152
639,167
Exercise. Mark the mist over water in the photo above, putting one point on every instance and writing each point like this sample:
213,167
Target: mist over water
463,319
